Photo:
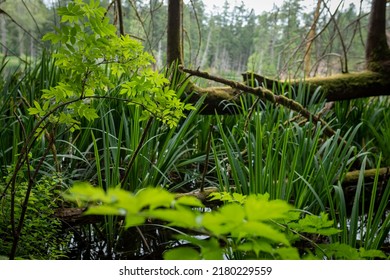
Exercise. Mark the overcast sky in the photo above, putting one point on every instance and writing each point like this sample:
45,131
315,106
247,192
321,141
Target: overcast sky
266,5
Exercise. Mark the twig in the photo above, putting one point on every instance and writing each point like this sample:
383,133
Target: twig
142,22
199,31
336,25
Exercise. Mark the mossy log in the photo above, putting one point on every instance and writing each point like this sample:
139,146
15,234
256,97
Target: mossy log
352,177
219,100
334,88
337,87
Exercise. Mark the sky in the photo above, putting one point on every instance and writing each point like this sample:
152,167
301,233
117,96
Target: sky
260,6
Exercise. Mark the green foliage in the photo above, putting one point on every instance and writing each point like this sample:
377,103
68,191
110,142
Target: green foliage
346,252
315,224
42,236
257,227
95,60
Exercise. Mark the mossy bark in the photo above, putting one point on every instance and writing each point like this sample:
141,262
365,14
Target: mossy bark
334,88
219,100
377,49
352,177
338,87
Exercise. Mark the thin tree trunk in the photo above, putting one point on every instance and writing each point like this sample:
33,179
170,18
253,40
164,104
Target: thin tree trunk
32,47
206,50
174,43
377,50
3,34
159,61
20,42
120,17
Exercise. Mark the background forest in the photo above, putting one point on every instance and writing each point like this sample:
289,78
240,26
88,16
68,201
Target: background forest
230,40
110,151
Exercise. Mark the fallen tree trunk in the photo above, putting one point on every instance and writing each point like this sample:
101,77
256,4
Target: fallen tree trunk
337,87
352,177
221,100
340,87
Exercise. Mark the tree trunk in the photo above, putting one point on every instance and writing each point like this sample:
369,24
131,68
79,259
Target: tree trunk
120,17
206,49
174,41
32,47
377,50
21,42
3,34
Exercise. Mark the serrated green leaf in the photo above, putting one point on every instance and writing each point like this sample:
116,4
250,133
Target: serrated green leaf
70,47
189,201
256,246
260,209
325,231
33,111
340,251
182,253
371,254
132,220
104,210
54,38
315,224
183,217
259,229
287,253
240,198
229,218
154,197
86,192
210,248
46,106
37,105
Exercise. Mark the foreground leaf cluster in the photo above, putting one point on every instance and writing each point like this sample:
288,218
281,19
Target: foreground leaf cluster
255,227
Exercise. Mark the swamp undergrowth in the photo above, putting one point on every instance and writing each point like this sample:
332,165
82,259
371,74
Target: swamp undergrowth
85,116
